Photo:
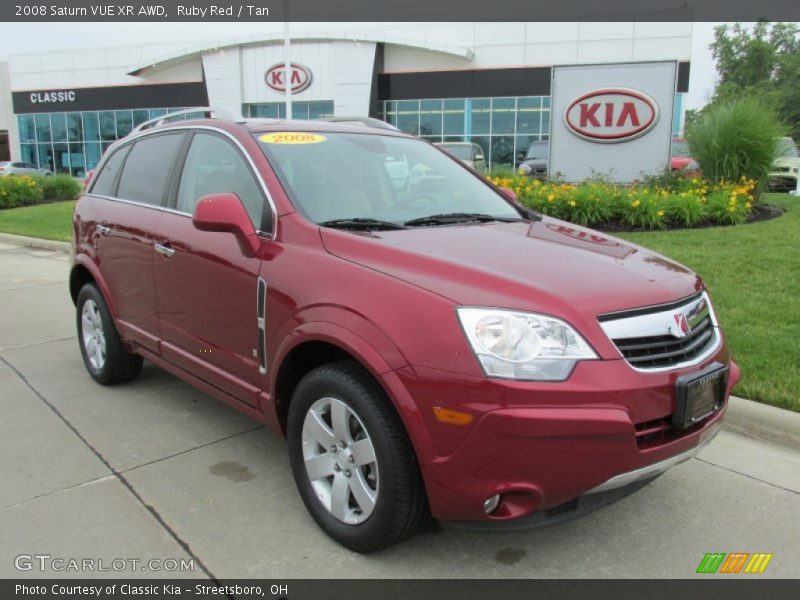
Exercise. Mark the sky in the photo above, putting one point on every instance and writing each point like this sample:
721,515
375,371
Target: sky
21,38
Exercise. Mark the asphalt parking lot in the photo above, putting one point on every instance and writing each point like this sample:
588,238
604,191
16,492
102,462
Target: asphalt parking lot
156,469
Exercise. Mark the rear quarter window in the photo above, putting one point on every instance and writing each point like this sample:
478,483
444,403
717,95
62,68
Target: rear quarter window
104,182
147,168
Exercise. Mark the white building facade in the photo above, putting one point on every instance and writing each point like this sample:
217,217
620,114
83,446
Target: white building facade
484,82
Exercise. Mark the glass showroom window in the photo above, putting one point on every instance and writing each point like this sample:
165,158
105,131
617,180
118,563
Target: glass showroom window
303,110
503,127
73,142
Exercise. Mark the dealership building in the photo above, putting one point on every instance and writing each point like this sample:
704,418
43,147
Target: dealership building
489,83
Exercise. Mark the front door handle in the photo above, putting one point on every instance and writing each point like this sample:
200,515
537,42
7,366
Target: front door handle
165,250
103,230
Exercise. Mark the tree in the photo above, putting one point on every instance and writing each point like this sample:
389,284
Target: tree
763,62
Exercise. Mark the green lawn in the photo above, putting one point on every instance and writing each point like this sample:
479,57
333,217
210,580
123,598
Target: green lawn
48,221
752,272
753,276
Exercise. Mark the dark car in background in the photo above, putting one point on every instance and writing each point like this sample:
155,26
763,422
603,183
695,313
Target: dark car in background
536,159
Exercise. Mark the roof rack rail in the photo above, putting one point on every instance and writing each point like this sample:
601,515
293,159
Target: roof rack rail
207,111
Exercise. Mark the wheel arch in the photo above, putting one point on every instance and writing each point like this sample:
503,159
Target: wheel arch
316,344
84,271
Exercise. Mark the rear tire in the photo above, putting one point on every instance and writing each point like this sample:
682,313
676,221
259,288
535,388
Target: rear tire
102,350
373,472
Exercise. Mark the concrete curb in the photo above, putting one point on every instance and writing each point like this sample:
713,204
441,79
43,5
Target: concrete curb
37,243
763,422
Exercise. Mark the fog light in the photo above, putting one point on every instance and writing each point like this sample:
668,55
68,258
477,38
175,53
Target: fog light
491,504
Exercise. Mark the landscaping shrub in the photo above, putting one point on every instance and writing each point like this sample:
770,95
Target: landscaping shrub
19,190
24,190
735,139
686,202
60,187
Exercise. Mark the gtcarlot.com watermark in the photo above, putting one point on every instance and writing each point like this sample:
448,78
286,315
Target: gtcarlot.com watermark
58,564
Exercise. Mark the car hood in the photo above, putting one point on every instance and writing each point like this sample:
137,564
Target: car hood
786,161
550,266
536,163
680,162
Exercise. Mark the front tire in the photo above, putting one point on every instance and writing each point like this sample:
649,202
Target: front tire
351,458
104,355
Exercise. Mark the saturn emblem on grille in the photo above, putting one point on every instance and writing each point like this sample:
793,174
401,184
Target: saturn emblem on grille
683,325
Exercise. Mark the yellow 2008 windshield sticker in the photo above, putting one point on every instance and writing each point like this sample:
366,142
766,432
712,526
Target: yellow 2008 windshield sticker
292,137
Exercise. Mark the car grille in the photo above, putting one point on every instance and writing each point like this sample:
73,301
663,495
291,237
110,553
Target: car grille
653,338
666,350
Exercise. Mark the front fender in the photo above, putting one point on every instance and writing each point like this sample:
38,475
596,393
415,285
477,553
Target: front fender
373,353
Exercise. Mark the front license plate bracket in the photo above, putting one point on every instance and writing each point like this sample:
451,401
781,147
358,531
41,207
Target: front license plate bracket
698,395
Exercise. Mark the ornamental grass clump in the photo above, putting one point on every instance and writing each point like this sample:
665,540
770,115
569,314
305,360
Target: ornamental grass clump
735,139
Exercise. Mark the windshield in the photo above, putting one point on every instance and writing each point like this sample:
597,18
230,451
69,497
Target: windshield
461,151
538,150
680,148
388,179
787,148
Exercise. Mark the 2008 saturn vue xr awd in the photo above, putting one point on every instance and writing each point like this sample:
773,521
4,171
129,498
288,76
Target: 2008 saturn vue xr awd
427,345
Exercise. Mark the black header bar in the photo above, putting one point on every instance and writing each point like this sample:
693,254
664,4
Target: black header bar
161,95
479,83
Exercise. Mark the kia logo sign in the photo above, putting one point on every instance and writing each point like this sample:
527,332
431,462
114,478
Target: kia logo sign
610,115
300,77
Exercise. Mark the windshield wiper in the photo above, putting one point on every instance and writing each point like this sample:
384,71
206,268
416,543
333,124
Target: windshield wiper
360,223
451,218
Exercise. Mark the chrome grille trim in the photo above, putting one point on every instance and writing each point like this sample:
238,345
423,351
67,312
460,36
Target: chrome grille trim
651,339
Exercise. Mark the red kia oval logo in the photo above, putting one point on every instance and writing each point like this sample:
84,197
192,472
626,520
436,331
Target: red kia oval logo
300,77
611,115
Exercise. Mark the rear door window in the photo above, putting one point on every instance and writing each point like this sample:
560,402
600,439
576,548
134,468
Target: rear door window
104,183
146,174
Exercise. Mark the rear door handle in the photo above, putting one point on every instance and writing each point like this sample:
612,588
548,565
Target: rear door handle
103,230
165,250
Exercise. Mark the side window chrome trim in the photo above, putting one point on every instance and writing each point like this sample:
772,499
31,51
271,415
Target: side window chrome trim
166,209
229,136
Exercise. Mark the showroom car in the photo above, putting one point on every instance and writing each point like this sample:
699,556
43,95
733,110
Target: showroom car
427,345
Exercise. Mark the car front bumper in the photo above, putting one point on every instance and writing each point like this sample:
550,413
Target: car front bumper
612,490
544,446
782,181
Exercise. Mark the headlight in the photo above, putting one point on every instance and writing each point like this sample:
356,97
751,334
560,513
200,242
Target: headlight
517,345
524,169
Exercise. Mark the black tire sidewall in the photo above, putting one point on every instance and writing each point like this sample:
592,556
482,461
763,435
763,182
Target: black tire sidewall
90,292
365,536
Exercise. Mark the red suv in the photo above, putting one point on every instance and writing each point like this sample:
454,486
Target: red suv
427,345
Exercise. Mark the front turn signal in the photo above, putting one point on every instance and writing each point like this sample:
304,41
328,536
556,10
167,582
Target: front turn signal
452,417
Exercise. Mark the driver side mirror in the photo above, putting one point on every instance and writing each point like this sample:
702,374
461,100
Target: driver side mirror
224,212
